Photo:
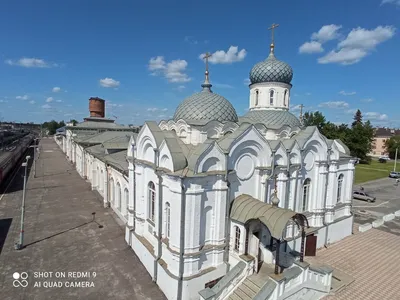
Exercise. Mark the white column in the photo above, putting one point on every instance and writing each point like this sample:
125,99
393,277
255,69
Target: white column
319,197
140,200
131,217
331,193
106,201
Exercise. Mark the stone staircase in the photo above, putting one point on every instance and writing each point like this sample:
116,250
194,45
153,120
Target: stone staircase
252,284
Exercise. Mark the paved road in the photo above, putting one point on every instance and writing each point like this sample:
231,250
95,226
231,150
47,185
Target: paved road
387,200
60,236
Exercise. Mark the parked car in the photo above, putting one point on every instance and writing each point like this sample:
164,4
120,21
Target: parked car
384,157
361,195
394,174
382,160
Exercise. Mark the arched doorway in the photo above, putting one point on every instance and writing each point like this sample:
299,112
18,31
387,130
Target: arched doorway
266,226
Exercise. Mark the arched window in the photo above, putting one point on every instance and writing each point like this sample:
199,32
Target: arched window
151,200
126,196
118,196
237,238
167,220
285,98
339,187
256,98
112,191
306,194
271,97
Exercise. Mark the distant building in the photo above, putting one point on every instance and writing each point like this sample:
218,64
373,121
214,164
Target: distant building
381,135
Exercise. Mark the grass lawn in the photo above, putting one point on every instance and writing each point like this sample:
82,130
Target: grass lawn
375,170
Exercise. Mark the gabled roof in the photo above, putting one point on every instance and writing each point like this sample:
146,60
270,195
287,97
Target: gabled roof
119,142
156,131
386,132
226,141
177,149
98,123
196,152
118,160
102,137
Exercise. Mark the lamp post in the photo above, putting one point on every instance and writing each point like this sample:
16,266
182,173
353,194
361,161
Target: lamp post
20,245
395,160
35,149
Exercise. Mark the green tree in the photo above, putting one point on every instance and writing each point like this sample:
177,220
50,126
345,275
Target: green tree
314,119
360,138
391,145
357,118
74,122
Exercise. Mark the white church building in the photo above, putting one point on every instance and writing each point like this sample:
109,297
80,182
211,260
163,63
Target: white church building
218,206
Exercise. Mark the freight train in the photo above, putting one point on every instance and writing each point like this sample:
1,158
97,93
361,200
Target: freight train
10,156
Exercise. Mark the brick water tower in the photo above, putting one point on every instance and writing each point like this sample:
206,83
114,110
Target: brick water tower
97,107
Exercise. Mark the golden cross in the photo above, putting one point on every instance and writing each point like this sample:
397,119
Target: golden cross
206,56
272,28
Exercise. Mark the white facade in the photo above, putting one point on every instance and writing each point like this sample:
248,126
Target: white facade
182,179
270,95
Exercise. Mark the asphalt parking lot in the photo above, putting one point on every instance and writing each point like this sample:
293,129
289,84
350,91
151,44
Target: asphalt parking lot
387,200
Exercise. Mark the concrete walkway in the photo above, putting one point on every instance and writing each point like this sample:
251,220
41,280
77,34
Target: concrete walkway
60,236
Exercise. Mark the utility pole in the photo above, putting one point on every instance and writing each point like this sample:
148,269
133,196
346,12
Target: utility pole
395,160
20,245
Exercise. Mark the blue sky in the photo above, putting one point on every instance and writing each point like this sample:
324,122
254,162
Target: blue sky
143,56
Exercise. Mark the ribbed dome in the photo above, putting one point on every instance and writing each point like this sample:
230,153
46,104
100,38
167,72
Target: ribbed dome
274,119
207,106
271,70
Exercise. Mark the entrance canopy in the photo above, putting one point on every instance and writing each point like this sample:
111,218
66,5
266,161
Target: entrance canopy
246,208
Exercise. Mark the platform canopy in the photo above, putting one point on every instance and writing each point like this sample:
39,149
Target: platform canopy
246,208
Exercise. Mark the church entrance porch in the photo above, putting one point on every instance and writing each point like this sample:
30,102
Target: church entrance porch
265,226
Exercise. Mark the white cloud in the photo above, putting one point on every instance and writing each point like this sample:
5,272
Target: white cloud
50,99
30,63
359,43
360,38
351,111
344,56
368,100
164,109
221,57
180,88
222,85
59,100
46,106
326,33
395,2
295,107
173,71
347,93
375,116
308,94
191,40
67,115
334,104
56,89
246,81
24,97
153,109
311,47
109,83
32,102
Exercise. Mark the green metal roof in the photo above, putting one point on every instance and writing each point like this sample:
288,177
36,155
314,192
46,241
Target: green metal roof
246,208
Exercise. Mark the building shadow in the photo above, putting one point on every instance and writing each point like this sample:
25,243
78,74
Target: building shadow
67,230
5,225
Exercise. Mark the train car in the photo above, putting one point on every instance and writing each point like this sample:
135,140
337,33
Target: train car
10,158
